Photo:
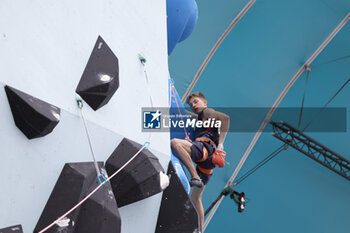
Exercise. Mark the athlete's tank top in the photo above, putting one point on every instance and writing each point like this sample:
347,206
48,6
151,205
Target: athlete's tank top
211,132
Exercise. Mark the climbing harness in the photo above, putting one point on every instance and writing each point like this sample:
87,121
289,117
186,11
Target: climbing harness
205,155
204,170
218,157
206,139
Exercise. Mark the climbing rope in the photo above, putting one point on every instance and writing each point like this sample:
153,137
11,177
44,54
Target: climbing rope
143,62
97,188
80,106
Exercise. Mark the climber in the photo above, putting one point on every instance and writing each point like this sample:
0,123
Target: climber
206,150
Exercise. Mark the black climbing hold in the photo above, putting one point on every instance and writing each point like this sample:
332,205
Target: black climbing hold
176,213
98,214
100,79
139,179
34,117
12,229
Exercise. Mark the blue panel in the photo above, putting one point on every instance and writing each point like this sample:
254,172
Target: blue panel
182,16
176,133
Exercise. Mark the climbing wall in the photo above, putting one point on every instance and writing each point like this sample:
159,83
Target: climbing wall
51,50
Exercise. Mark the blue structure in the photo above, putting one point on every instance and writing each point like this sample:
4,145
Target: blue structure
182,18
177,132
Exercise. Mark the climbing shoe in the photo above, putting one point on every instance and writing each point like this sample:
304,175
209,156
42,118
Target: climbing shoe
196,182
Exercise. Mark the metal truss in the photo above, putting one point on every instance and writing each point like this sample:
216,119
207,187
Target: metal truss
311,148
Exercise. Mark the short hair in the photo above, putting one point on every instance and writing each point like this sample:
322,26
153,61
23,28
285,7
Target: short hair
195,94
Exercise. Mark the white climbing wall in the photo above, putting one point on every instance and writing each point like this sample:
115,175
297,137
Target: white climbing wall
44,47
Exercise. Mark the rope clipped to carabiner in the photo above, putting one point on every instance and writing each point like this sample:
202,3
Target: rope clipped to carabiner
146,145
103,177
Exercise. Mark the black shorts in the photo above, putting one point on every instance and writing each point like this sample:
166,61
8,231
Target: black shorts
197,155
